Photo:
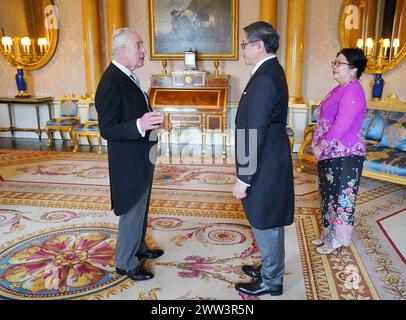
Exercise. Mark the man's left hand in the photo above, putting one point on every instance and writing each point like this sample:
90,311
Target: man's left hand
239,190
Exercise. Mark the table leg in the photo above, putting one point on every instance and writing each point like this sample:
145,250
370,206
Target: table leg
39,132
49,110
11,117
224,145
167,132
168,136
50,133
224,120
158,149
203,128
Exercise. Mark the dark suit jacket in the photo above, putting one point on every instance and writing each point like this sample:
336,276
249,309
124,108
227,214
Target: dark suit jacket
263,107
119,103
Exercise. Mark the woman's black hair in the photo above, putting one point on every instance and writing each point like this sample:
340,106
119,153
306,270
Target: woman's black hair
356,58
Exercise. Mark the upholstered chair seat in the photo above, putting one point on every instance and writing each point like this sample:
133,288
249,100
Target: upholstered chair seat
64,122
86,127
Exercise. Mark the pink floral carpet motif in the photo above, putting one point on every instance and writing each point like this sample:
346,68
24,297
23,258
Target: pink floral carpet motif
67,262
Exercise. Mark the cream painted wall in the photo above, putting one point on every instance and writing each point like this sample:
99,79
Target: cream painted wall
65,73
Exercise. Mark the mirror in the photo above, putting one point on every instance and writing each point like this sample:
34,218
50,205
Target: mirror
28,32
376,26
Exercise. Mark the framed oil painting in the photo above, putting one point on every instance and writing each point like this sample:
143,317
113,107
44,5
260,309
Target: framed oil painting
209,27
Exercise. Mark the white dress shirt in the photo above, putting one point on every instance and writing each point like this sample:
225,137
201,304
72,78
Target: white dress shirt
128,73
259,63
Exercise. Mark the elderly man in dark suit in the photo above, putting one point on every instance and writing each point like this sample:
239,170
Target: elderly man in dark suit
126,121
263,158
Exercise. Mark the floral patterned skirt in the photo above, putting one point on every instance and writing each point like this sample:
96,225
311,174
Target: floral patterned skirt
339,180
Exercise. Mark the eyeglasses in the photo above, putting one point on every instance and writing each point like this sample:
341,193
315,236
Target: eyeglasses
244,44
337,63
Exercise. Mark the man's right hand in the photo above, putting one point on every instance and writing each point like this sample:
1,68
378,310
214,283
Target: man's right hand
151,121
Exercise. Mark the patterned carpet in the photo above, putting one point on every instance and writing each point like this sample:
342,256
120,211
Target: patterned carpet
58,235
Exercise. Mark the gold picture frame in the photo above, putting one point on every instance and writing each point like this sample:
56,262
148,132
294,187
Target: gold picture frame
211,29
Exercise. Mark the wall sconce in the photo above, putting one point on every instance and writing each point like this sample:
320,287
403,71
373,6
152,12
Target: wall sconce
372,45
20,52
381,55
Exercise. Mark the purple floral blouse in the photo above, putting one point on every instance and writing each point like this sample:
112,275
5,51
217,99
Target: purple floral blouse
339,123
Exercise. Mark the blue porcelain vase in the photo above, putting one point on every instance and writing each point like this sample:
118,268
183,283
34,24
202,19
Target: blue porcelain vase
377,89
21,85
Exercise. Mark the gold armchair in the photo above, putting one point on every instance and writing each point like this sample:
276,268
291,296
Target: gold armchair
68,119
305,154
89,129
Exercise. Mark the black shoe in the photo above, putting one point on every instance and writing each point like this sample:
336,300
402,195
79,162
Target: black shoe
252,271
138,274
258,288
150,254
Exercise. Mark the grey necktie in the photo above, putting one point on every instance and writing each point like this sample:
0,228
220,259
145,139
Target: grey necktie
136,80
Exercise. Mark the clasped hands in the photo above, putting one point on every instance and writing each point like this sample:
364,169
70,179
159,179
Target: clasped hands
151,121
316,151
239,190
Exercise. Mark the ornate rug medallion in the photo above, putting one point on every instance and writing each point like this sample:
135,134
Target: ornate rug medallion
72,262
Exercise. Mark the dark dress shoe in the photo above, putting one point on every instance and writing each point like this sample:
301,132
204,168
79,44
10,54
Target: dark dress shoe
138,274
252,271
258,288
150,254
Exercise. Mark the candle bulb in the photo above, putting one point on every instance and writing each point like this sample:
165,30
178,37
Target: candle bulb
396,46
7,42
369,44
360,43
26,44
386,45
42,42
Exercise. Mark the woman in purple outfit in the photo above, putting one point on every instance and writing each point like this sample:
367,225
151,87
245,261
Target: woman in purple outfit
340,150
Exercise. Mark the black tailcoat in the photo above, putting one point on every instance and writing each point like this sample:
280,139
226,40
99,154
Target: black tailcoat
119,103
263,107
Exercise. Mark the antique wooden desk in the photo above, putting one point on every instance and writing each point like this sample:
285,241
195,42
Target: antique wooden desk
33,101
191,100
